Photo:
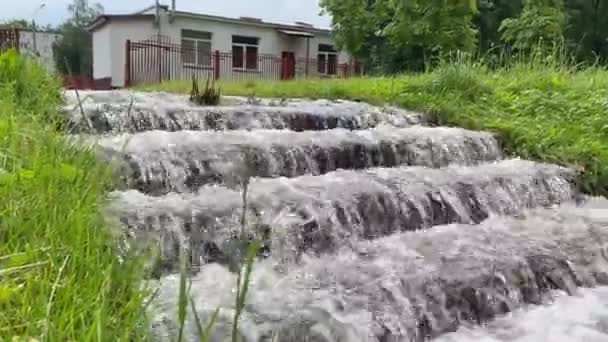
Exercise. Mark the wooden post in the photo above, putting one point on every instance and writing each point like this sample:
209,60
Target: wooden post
216,65
128,63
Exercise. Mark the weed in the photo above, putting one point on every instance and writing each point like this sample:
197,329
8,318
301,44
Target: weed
210,96
251,96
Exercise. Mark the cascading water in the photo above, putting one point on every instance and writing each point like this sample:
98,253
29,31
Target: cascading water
112,112
562,318
159,162
410,286
319,214
374,227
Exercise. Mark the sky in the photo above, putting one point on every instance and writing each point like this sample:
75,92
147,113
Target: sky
272,10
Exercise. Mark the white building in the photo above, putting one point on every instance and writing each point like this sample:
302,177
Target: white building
34,43
166,44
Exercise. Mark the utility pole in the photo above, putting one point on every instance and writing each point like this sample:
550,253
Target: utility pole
40,7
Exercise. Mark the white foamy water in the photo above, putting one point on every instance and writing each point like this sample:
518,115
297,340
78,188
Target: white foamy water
320,214
161,162
352,252
412,286
123,111
582,317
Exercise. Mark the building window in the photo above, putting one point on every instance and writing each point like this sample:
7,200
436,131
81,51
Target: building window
245,52
327,60
196,48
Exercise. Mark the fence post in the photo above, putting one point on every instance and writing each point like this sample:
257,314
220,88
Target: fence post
216,65
128,63
307,57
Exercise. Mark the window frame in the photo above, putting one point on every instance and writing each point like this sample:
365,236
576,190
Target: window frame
326,51
245,46
196,42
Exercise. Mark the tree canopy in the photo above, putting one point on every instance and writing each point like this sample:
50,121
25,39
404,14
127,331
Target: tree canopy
393,35
75,45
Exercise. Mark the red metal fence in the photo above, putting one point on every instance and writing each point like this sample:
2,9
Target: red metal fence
9,39
157,61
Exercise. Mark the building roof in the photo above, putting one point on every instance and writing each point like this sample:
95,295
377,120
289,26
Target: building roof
298,27
104,19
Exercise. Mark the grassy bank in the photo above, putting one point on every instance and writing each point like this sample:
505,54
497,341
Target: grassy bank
59,277
541,111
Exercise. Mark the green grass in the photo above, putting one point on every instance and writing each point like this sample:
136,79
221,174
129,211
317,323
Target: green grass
60,279
541,110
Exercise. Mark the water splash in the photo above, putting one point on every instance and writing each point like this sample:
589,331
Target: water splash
319,214
120,111
579,318
160,162
412,286
385,254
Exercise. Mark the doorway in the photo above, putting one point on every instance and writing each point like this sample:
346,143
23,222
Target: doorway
288,68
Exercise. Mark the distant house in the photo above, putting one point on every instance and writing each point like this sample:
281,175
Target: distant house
32,43
165,44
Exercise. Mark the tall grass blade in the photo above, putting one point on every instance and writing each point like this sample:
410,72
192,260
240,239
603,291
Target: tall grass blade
183,295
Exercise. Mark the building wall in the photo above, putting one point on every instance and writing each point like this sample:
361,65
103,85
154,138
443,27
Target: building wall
270,42
299,46
102,52
121,31
111,60
44,46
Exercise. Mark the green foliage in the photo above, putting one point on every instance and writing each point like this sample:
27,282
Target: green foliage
540,25
540,108
439,27
28,86
76,43
27,25
491,13
587,29
18,23
60,279
210,95
390,35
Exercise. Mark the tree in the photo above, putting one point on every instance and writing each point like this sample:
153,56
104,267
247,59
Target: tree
356,27
397,34
540,24
27,25
490,15
83,13
439,27
393,35
588,28
75,45
19,23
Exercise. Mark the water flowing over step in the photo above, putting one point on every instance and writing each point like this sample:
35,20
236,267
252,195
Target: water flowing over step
319,214
113,112
159,162
408,286
582,317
